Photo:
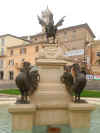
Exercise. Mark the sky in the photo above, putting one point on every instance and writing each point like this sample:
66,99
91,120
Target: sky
19,17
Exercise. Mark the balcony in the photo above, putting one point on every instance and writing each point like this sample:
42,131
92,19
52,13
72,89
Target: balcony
2,53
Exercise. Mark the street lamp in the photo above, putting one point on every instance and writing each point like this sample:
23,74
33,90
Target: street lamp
85,44
84,56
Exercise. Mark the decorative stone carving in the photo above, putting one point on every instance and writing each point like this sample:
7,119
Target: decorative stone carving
51,67
51,51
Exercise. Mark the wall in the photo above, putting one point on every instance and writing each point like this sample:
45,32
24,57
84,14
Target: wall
9,41
30,56
68,39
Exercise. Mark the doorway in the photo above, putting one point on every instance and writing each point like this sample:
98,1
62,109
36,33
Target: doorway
1,75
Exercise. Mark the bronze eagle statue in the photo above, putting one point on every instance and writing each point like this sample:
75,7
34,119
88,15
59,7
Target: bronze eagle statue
27,81
50,28
75,81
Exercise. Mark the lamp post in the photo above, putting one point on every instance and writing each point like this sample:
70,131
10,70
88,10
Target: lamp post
86,42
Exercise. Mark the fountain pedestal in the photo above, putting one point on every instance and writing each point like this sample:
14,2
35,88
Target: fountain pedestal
22,118
51,104
51,68
79,117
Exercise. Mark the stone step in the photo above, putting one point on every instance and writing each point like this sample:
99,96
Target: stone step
51,95
51,100
51,87
51,92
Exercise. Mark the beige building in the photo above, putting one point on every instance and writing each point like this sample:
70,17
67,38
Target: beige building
93,53
26,48
8,41
13,50
71,38
20,53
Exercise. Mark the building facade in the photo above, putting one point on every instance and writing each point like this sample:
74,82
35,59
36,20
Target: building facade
70,39
75,41
18,54
93,53
14,50
5,42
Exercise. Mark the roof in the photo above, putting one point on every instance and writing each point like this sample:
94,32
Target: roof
85,25
25,45
79,26
14,37
32,36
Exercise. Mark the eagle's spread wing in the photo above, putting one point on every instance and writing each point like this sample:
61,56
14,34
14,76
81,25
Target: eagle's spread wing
60,22
41,21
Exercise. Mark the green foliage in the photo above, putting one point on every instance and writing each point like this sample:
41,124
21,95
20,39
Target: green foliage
85,93
10,92
91,93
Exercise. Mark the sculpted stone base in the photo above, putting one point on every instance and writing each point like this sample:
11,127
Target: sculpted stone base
50,89
51,104
74,116
22,118
51,94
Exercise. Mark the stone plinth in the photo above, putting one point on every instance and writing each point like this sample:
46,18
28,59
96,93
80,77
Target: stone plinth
79,117
73,118
23,117
51,68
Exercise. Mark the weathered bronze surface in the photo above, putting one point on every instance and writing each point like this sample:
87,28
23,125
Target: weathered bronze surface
27,81
76,81
50,28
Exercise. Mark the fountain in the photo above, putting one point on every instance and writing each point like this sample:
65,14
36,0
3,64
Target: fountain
52,109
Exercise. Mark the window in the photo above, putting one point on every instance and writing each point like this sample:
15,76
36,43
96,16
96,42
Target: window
11,75
74,30
1,75
98,53
37,49
65,32
2,51
1,63
73,34
2,41
98,62
23,51
11,62
11,52
22,60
